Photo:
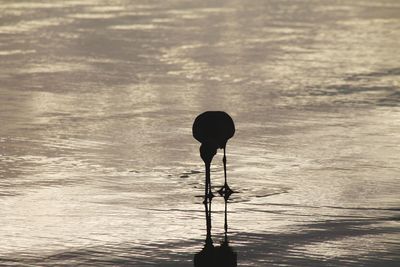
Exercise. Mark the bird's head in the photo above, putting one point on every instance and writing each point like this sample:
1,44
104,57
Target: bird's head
208,150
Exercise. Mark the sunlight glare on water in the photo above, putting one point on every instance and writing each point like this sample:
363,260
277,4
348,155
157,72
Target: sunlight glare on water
98,165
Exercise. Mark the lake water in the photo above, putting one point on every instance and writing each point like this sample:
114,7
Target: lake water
98,166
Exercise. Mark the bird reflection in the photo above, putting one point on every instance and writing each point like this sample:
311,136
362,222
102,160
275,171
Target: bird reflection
216,256
213,129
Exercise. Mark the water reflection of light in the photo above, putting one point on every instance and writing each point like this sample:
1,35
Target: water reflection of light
92,16
135,27
16,52
108,148
27,5
53,67
361,246
30,25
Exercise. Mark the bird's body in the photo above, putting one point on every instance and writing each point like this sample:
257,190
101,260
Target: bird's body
213,126
212,129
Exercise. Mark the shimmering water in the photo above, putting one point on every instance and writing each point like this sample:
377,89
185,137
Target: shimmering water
97,163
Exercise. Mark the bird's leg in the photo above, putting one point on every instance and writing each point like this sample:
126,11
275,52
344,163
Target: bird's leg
225,198
208,195
207,152
209,224
207,206
224,161
207,178
225,190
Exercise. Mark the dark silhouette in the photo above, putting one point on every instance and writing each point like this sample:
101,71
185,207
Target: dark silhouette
220,256
213,129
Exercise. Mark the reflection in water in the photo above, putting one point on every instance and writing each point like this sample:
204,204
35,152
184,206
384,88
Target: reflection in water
96,97
216,256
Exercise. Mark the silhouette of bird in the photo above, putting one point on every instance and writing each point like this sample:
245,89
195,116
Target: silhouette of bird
213,129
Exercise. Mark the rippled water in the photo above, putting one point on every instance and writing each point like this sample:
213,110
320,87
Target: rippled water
97,163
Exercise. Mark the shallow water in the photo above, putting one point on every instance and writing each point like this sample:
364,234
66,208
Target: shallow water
98,166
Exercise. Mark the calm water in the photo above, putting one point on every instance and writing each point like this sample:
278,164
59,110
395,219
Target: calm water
97,163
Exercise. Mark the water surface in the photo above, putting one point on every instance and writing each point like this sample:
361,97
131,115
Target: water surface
97,163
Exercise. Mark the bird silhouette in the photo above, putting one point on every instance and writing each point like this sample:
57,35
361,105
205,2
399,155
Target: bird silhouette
213,129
